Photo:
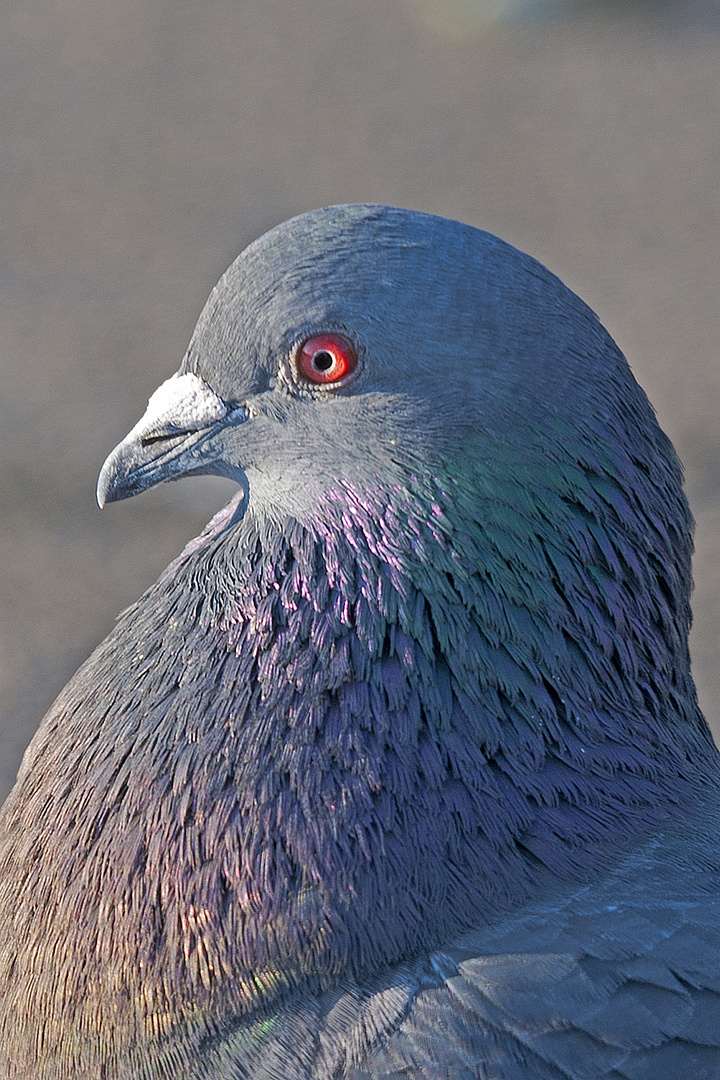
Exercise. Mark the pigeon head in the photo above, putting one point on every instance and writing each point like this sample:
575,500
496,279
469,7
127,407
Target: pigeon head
456,346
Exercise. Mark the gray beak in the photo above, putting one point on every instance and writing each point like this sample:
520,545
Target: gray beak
168,442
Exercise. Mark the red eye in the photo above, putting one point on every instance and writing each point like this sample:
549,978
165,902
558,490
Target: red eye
326,358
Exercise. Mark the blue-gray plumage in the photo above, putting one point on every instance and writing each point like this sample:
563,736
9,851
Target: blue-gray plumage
398,770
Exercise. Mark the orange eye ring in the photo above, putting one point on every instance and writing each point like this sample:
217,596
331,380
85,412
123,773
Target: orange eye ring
326,358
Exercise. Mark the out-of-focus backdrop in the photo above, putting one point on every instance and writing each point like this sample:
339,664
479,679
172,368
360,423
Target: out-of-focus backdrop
144,143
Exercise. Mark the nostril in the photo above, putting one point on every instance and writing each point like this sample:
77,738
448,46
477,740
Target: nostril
162,436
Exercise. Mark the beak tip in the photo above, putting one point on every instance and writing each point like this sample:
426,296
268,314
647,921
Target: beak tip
106,481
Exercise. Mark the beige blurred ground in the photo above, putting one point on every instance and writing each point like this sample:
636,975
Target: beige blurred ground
144,143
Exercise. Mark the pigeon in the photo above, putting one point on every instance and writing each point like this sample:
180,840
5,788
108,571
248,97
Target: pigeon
398,770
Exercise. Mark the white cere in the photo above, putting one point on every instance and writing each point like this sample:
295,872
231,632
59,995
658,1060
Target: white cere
183,402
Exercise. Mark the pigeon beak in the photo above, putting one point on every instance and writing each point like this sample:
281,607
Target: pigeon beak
167,442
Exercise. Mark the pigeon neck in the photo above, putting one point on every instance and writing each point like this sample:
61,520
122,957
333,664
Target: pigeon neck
482,689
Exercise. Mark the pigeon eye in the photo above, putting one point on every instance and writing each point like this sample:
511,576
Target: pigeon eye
326,358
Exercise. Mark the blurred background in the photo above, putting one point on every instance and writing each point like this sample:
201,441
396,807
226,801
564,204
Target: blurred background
145,143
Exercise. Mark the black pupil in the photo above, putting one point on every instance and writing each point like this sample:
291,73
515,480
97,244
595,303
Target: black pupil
322,360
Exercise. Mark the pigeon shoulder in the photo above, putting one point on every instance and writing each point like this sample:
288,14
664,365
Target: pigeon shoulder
619,979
